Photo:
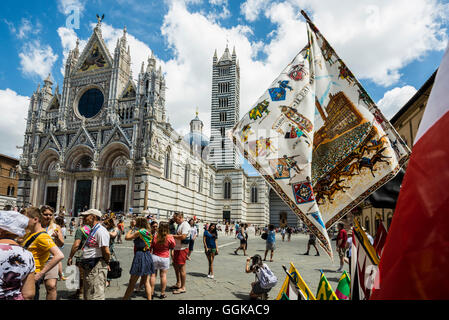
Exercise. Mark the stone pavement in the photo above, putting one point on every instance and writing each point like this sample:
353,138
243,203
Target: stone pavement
230,282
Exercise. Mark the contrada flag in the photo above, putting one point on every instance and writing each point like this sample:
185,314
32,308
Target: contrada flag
380,239
415,259
318,139
325,291
343,290
294,287
364,265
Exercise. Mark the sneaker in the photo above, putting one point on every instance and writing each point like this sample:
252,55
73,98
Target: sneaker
317,254
208,275
339,270
211,276
306,254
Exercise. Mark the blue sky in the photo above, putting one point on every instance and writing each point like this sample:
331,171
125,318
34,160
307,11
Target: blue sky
392,47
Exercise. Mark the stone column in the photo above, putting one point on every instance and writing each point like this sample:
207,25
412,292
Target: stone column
130,172
35,190
64,193
32,187
93,198
99,192
58,198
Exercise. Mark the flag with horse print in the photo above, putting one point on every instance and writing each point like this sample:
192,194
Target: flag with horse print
318,139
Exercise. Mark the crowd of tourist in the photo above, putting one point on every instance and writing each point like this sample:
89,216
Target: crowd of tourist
37,235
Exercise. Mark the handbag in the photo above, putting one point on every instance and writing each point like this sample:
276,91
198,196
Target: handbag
116,270
264,236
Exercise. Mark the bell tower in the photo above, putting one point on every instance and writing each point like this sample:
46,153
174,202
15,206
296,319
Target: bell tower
224,109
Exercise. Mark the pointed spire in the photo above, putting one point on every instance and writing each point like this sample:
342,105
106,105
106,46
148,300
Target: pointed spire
142,68
226,55
215,54
151,61
76,51
38,87
48,80
233,51
123,38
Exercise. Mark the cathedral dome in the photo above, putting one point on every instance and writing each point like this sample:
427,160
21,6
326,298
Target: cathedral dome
196,138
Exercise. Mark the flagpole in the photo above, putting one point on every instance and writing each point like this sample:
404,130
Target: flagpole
309,20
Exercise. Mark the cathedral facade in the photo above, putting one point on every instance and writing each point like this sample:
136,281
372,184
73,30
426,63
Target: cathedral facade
105,142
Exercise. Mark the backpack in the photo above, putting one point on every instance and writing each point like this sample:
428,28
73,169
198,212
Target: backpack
264,236
266,278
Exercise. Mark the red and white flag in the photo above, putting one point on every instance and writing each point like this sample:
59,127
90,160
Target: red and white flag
415,259
380,239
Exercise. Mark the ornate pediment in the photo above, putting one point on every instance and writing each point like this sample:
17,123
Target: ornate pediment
94,60
129,92
54,104
50,142
116,135
95,55
82,137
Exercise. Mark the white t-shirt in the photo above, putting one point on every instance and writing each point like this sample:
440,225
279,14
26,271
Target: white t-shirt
183,228
92,249
349,242
193,232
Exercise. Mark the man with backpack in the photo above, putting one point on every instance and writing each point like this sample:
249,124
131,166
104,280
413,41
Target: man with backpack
265,279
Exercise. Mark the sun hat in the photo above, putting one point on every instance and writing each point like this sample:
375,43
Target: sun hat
13,222
95,212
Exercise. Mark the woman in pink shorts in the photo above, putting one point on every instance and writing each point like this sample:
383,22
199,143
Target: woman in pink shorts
162,242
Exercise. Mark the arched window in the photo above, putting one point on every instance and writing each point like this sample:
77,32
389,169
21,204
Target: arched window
200,181
254,194
10,191
167,164
211,186
227,189
187,176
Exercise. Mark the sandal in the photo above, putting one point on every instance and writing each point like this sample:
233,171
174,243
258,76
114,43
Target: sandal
174,288
179,291
163,296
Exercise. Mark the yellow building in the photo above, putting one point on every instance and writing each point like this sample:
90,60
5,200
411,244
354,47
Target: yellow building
406,122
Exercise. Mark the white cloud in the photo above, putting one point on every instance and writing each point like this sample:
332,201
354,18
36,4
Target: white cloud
14,110
394,99
37,59
378,38
25,29
252,8
218,2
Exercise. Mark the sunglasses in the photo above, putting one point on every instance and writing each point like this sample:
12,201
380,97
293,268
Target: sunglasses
47,215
